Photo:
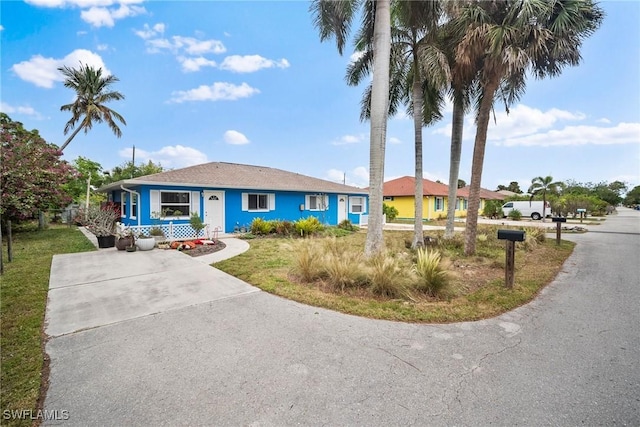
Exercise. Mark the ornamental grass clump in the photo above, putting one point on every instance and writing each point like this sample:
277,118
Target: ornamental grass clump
432,277
261,227
308,226
343,271
386,277
307,261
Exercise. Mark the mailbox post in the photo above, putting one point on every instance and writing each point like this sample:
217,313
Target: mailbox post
558,221
582,212
511,236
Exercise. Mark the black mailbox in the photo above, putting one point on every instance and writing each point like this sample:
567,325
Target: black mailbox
559,219
511,235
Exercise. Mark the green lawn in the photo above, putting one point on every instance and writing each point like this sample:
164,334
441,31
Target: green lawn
23,297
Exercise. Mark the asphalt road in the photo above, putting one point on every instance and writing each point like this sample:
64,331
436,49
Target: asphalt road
571,357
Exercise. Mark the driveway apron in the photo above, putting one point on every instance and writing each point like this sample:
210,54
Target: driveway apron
568,358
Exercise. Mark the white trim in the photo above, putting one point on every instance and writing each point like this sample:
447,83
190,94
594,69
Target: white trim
271,202
322,201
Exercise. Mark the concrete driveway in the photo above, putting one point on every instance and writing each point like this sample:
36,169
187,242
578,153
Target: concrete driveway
100,288
568,358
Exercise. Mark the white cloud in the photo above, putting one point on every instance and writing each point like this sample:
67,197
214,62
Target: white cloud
234,137
361,176
394,140
198,47
219,91
250,63
180,44
148,32
604,120
358,177
356,56
102,46
105,17
44,72
623,133
194,64
348,139
172,156
23,110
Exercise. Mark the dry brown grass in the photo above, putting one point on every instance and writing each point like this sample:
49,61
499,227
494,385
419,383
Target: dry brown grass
476,284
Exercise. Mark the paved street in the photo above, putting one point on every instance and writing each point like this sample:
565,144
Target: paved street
571,357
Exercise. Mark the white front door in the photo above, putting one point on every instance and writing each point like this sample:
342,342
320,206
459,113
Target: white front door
342,208
214,211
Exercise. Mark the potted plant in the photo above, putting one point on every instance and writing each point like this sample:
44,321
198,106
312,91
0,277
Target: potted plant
101,221
125,237
145,242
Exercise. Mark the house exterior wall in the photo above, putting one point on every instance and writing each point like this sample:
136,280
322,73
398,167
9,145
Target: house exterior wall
431,209
289,205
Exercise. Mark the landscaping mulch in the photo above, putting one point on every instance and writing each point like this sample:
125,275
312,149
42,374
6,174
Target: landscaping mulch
205,249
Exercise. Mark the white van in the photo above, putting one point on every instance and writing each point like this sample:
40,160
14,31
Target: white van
531,209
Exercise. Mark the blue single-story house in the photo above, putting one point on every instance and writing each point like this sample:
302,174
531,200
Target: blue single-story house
228,196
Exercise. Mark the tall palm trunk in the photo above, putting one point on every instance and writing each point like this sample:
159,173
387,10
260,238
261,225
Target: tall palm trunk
418,239
374,243
456,152
75,132
482,124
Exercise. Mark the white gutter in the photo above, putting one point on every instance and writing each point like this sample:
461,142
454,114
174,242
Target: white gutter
137,203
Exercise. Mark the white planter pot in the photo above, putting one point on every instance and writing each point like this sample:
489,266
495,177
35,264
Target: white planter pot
145,243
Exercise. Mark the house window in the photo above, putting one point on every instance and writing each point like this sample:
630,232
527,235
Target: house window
123,204
134,206
258,202
356,204
465,204
388,198
438,204
318,202
174,203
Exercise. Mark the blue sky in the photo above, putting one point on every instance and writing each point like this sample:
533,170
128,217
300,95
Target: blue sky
250,82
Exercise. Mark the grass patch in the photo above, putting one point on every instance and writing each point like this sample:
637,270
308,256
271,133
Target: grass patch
475,284
23,297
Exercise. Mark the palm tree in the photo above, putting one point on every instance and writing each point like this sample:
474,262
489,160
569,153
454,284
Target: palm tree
333,19
544,185
417,71
511,37
92,92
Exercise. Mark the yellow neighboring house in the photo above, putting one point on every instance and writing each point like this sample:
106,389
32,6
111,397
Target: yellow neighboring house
400,192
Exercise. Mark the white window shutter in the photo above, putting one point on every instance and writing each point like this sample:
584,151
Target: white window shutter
245,201
154,205
326,202
364,204
272,201
307,202
123,202
195,202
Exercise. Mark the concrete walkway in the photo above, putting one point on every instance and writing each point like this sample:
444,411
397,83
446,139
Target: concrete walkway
568,358
108,286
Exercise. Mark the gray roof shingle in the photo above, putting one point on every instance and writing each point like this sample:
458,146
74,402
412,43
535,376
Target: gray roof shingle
234,175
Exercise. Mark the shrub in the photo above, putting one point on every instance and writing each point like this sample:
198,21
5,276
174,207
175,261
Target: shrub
515,215
260,227
432,278
386,277
533,236
283,228
390,211
493,209
308,226
196,223
343,270
347,225
307,261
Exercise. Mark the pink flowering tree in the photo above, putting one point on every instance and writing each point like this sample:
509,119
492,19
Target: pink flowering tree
32,175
